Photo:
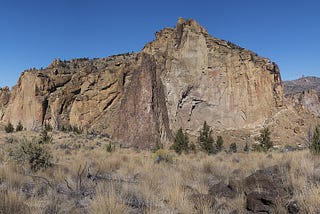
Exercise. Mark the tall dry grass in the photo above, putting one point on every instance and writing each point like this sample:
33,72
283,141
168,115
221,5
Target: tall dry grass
167,187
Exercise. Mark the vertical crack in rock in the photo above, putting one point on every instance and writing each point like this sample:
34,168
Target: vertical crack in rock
184,96
110,102
243,115
45,105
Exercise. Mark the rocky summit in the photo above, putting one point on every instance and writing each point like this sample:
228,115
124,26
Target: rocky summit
181,79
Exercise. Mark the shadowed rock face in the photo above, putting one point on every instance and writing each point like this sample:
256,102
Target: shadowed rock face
180,79
143,118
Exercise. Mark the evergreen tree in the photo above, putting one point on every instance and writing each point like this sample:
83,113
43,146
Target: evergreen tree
181,142
233,147
206,140
19,127
48,127
45,138
219,144
246,147
9,128
192,147
265,140
315,143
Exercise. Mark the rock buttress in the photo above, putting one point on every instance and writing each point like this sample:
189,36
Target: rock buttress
143,119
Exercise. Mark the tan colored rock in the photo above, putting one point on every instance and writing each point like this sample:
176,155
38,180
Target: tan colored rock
207,79
4,99
24,104
308,100
181,79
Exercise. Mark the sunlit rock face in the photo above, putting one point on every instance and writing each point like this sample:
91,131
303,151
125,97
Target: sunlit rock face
181,79
207,79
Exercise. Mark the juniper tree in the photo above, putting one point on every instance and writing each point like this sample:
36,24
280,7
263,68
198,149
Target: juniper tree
315,142
19,127
233,148
181,142
246,147
219,144
265,140
206,140
9,127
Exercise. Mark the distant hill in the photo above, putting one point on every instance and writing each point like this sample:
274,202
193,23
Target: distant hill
301,84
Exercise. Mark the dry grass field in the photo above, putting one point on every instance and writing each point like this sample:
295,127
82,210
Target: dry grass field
87,178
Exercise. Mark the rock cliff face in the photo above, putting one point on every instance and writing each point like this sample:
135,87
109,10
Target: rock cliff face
210,79
304,93
181,79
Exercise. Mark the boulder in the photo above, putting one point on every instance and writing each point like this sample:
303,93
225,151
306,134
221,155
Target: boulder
293,207
230,190
266,189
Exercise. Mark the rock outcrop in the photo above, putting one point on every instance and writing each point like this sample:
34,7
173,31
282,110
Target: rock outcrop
207,79
181,79
266,189
308,100
304,94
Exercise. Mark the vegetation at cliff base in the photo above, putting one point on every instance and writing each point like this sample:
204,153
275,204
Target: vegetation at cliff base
264,139
315,143
9,128
181,142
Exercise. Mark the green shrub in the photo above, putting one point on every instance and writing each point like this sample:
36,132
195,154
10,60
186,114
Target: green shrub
9,128
181,142
76,129
31,152
206,140
110,148
233,148
45,138
162,155
246,147
193,147
157,147
315,142
48,127
69,128
219,144
62,128
265,141
19,127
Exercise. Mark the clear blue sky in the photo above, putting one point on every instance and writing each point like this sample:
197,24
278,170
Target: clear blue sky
34,32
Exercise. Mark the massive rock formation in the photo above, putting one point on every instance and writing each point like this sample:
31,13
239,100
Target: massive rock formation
181,79
210,79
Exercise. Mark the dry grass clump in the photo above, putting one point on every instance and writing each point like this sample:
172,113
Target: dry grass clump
108,201
12,202
90,179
